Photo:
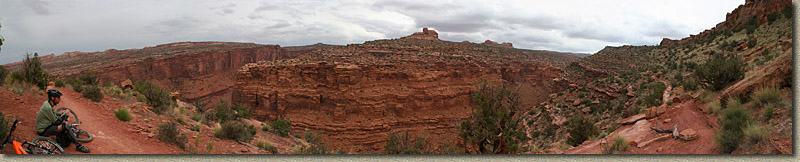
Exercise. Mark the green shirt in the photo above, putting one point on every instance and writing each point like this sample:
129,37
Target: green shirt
46,117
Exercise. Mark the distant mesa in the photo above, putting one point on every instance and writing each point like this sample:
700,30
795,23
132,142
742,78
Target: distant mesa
425,34
492,43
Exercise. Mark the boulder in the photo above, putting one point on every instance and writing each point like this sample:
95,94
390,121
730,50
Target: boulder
127,84
776,73
688,135
631,119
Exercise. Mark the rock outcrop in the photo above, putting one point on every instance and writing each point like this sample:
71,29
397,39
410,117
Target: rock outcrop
492,43
356,95
777,73
758,10
425,34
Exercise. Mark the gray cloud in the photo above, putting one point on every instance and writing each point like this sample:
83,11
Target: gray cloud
38,6
567,25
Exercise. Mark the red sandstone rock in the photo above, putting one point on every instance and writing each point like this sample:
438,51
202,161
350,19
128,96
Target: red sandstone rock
492,43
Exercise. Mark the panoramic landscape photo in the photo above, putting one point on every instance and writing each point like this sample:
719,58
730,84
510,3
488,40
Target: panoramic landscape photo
396,77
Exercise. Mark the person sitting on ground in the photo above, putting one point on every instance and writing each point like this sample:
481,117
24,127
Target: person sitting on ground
48,123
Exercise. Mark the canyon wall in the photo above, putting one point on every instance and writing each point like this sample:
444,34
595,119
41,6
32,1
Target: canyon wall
355,95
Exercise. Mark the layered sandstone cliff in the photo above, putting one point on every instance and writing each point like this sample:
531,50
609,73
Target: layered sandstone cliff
356,95
198,69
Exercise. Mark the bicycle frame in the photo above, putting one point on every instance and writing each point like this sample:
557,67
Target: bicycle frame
17,145
18,148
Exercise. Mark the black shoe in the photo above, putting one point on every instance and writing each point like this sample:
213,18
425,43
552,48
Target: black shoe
81,148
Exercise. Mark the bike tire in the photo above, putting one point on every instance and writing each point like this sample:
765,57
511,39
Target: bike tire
70,111
82,136
51,147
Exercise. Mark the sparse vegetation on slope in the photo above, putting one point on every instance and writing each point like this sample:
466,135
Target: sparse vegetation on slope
156,97
733,121
123,114
494,127
234,130
168,133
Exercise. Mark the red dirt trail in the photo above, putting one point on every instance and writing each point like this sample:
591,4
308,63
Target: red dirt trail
111,136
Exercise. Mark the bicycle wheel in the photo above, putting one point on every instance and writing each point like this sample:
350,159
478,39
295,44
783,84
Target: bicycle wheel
44,145
82,136
74,116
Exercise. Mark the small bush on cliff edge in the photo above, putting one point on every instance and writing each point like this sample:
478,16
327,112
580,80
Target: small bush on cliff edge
32,71
281,127
226,112
156,97
720,71
494,126
5,126
92,92
733,121
402,144
168,133
123,114
3,74
233,130
580,129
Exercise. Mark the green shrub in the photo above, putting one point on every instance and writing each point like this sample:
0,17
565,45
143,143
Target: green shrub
719,71
115,92
714,107
32,71
580,129
92,92
494,114
233,130
252,130
200,105
264,145
223,112
197,117
787,11
59,83
89,78
264,128
168,133
196,128
5,126
180,120
766,95
402,144
314,144
3,74
226,112
156,97
766,114
77,88
653,94
618,145
281,127
734,119
753,134
123,114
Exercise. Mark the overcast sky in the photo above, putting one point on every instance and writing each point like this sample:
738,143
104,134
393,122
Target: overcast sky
584,26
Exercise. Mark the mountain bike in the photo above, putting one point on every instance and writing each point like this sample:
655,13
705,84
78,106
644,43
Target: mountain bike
39,145
73,131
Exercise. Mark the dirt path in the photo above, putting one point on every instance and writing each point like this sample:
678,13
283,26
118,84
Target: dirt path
111,136
685,114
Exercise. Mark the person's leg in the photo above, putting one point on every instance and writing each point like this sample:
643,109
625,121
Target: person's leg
78,146
51,130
